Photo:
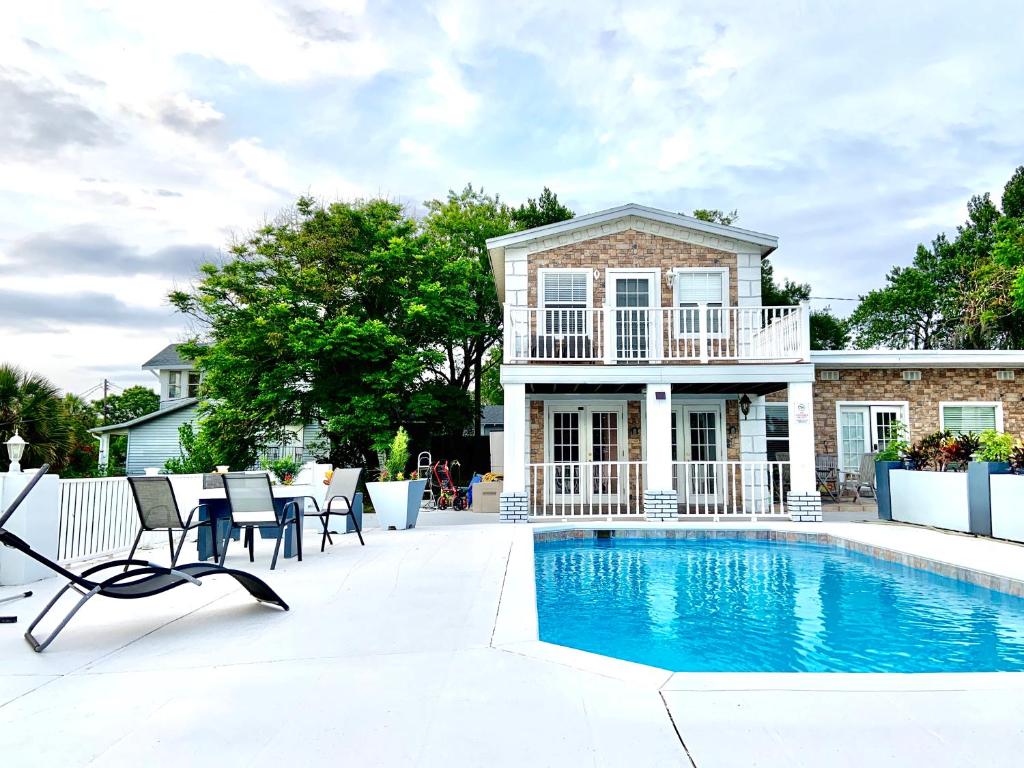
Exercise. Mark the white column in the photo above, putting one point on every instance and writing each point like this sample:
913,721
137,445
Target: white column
104,449
515,438
801,437
754,448
659,437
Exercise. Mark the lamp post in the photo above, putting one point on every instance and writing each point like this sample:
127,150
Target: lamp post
15,450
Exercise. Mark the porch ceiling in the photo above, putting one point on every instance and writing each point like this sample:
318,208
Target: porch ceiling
690,388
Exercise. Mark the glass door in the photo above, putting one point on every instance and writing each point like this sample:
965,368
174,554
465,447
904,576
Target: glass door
607,473
883,421
633,293
864,429
698,476
566,449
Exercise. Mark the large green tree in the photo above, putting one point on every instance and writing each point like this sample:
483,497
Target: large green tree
958,293
130,404
31,405
329,314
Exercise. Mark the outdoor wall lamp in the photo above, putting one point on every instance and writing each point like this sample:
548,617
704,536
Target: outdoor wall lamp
745,406
15,450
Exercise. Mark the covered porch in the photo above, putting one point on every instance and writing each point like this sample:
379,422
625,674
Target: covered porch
712,448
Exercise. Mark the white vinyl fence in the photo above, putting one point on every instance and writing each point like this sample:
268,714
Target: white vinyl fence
97,517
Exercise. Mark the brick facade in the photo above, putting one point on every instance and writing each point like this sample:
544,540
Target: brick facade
630,249
937,385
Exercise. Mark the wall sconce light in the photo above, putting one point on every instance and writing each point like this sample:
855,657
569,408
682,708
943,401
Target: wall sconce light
745,406
15,450
634,431
733,430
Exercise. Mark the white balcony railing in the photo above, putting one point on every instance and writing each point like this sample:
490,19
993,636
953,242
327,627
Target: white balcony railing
615,335
706,489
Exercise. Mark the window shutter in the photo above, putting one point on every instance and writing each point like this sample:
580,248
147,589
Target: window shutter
698,287
565,288
961,419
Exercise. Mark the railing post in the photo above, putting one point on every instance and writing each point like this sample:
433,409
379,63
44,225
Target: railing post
610,341
655,325
702,328
805,330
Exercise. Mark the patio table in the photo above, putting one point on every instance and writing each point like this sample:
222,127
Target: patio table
215,506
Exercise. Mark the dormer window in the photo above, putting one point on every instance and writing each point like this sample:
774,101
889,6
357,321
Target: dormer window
694,287
173,385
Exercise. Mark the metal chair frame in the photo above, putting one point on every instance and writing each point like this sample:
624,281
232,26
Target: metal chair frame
184,526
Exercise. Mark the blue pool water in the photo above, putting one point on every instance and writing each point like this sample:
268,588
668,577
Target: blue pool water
721,605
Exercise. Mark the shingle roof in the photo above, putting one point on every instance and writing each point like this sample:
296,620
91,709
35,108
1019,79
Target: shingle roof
168,357
492,414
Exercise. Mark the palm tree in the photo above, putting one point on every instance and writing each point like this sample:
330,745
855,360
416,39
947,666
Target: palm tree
31,404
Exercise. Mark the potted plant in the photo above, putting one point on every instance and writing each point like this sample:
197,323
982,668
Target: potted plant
1017,459
892,456
991,457
396,499
285,469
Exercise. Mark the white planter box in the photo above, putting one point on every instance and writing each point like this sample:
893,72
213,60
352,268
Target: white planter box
397,504
1007,506
938,499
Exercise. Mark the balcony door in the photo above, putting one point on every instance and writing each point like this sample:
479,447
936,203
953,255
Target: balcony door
697,442
633,296
586,452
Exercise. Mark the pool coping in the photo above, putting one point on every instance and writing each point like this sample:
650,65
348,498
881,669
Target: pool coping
516,627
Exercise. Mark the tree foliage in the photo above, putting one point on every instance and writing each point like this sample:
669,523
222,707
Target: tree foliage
546,209
31,405
961,291
130,404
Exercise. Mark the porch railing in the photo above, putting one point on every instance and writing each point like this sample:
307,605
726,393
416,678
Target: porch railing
615,335
706,489
97,518
587,488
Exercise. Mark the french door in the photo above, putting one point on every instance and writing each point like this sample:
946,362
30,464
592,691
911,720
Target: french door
697,441
634,294
865,428
586,448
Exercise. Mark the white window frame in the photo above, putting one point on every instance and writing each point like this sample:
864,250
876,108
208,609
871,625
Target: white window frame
996,404
904,404
542,272
188,383
677,328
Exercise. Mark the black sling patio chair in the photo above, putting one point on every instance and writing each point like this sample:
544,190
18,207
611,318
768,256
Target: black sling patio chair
251,501
143,580
158,511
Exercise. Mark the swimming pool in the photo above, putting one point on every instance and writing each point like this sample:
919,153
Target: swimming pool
744,605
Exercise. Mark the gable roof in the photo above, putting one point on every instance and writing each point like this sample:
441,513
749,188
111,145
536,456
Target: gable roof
757,241
184,403
168,357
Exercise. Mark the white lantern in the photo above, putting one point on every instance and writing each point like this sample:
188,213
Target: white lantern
15,450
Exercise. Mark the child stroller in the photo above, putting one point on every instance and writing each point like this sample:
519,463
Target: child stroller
449,495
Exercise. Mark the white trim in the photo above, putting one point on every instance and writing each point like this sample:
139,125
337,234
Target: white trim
996,404
740,374
769,242
919,358
723,273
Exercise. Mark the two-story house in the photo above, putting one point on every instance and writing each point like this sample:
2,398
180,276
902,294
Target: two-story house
642,377
153,439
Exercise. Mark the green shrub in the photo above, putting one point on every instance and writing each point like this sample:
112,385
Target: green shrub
897,446
397,457
284,468
994,446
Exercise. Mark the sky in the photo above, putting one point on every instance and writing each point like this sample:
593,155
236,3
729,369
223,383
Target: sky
139,139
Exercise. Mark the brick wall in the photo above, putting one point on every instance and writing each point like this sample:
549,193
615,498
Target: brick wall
618,251
936,385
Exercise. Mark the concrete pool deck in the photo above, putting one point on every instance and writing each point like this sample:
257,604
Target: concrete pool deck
421,649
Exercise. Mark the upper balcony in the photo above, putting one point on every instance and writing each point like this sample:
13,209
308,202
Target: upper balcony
669,335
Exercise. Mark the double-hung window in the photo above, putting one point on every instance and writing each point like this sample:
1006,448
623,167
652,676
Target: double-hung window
193,383
173,385
694,287
975,417
565,295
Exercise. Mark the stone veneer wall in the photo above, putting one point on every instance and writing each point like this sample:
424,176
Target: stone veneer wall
630,248
937,385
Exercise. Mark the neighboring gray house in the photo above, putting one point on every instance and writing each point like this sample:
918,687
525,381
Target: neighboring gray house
492,419
153,438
